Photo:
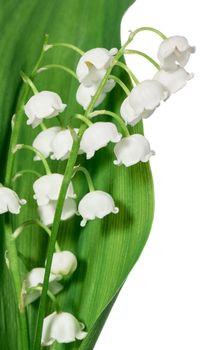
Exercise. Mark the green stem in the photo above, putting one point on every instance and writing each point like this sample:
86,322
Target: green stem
59,66
130,73
150,29
87,176
150,59
120,82
54,231
69,46
44,49
113,115
15,273
29,82
38,153
54,300
84,119
10,244
28,223
25,171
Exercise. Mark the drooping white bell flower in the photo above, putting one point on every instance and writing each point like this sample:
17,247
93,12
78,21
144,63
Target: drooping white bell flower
96,204
85,94
64,263
98,135
62,144
173,80
9,201
47,188
34,281
62,327
174,51
47,211
142,101
45,104
93,64
43,141
132,149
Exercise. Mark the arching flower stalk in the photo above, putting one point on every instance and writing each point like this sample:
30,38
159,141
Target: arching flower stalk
54,194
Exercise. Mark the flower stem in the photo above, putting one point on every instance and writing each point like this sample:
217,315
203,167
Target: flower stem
54,300
54,231
87,176
38,153
150,59
130,73
84,119
69,46
120,82
113,115
58,66
29,82
25,171
28,223
150,29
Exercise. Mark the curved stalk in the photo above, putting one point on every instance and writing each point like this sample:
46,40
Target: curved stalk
58,66
120,82
29,82
69,46
38,153
150,29
87,176
84,119
25,171
130,73
150,59
113,115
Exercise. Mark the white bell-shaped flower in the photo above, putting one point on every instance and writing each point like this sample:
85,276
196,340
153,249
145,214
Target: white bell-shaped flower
64,263
9,201
173,80
85,94
43,141
45,104
174,51
33,283
47,188
142,101
61,327
62,144
47,211
97,136
96,204
132,149
93,64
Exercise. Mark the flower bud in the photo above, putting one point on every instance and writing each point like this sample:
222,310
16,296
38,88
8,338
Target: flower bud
47,212
173,80
45,104
64,263
62,327
9,201
97,136
132,149
96,204
43,141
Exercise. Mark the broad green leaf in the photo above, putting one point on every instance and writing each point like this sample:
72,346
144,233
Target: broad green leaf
106,249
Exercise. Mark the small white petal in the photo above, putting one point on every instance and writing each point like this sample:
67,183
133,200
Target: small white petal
48,187
62,327
34,279
43,141
45,104
47,211
98,136
85,94
173,80
62,144
64,263
132,149
93,64
130,116
96,204
9,201
174,50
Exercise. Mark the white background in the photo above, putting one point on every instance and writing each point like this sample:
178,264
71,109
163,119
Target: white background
174,297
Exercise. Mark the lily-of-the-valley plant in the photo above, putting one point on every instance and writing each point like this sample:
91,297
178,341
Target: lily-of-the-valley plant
54,193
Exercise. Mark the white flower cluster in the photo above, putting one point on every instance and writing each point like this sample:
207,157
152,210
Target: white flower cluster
56,143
